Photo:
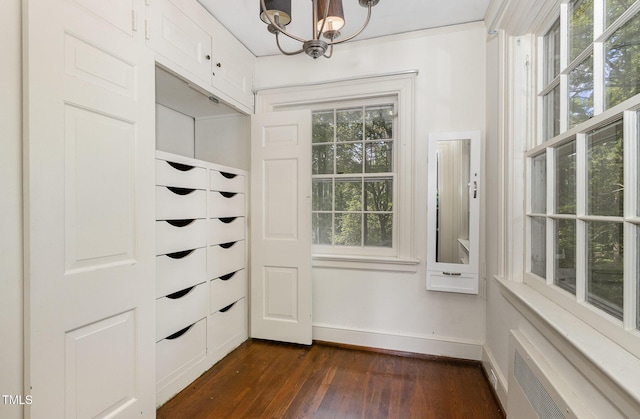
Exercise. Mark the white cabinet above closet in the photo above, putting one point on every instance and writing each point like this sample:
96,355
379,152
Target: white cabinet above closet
190,42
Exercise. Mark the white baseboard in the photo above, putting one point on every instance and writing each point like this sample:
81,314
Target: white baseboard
489,364
429,345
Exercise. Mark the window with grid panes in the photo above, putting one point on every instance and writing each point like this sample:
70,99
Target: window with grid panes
353,177
583,209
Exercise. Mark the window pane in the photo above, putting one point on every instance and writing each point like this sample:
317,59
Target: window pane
349,124
615,8
323,127
565,193
539,184
378,230
321,228
552,53
565,255
322,159
539,246
322,199
580,27
378,195
379,157
349,158
581,92
552,113
379,122
622,63
604,269
348,229
348,195
605,171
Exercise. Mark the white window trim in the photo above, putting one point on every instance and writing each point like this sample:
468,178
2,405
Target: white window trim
402,87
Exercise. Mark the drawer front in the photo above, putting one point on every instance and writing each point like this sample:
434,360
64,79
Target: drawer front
177,311
464,283
223,204
178,352
173,236
181,175
180,203
225,230
227,289
226,325
226,181
225,259
177,271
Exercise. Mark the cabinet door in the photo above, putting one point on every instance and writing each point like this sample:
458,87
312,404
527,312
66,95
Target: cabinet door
89,209
281,226
172,33
232,67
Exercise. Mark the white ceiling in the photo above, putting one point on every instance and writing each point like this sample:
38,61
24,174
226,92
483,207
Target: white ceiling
241,18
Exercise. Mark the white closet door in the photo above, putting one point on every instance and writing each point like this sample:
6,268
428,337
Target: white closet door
281,226
89,210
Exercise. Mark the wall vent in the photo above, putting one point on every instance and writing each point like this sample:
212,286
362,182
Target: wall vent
537,395
536,390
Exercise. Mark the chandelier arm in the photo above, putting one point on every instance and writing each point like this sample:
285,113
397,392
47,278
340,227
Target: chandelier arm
364,25
286,52
279,27
330,52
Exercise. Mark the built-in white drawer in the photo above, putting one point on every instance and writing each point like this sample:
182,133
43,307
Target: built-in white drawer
170,173
226,204
178,235
180,350
227,289
225,230
226,181
226,325
178,310
180,270
225,258
180,203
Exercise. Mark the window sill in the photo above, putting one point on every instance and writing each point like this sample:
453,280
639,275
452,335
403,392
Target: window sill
369,263
614,370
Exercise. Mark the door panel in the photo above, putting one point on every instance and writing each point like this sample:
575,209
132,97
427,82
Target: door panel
89,211
281,226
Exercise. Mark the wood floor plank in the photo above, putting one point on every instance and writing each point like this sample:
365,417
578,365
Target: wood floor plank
273,380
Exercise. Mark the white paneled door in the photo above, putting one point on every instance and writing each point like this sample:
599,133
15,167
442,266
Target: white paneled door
281,226
89,210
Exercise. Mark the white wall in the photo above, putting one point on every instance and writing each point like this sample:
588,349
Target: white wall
393,309
11,360
224,140
175,131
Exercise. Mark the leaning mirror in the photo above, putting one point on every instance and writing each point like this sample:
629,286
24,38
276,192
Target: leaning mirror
453,212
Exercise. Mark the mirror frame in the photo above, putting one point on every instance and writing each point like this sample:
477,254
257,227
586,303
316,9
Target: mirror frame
454,277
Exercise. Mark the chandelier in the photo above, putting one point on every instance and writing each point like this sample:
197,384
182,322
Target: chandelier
328,19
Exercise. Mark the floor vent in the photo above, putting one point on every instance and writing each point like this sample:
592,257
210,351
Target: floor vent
539,398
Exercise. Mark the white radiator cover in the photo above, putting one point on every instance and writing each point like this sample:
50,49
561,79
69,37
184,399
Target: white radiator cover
535,389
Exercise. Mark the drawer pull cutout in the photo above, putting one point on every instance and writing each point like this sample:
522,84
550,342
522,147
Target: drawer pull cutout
180,191
180,223
228,175
227,245
180,255
227,276
179,333
227,220
227,308
180,166
228,194
180,294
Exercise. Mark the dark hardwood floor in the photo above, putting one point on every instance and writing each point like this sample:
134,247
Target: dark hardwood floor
273,380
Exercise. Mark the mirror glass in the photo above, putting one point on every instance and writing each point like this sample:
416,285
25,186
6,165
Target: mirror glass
452,201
